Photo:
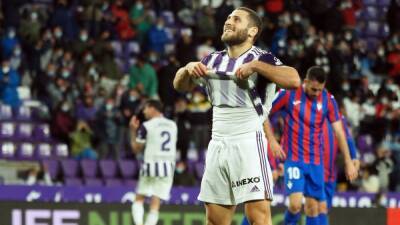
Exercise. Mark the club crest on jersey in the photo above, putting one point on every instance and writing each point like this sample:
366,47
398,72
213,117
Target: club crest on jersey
245,181
319,106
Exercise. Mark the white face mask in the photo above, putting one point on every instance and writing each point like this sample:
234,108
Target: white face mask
84,37
66,73
17,51
109,107
58,34
65,107
346,87
11,34
34,16
6,69
139,5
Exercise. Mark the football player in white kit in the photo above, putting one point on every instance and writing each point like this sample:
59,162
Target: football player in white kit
237,170
157,136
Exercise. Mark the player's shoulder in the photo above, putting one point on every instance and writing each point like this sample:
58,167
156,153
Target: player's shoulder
266,56
328,94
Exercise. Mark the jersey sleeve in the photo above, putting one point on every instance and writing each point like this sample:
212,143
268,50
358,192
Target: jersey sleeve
268,57
333,109
280,101
206,59
349,139
141,134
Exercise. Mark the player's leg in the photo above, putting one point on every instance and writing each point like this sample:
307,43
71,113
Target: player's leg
314,192
311,211
138,209
293,214
294,187
324,206
219,214
152,216
258,212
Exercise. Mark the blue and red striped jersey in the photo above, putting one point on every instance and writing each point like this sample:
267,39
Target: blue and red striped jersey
304,117
331,147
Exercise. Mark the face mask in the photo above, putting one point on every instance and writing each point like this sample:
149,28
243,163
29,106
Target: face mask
180,169
197,99
381,52
51,73
105,6
66,74
58,34
65,107
348,36
92,71
370,101
296,18
385,100
6,69
132,98
84,37
89,58
34,16
11,34
346,87
160,26
260,13
17,51
109,107
139,6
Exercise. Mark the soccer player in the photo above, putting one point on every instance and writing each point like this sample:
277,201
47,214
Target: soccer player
330,147
237,170
306,109
157,136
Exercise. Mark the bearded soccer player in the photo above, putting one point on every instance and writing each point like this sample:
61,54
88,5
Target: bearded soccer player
237,170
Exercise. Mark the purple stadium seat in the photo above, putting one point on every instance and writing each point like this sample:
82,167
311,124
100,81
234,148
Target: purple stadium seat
128,168
372,29
25,150
53,167
364,144
113,182
72,181
168,17
133,48
383,3
60,150
88,168
369,2
130,183
370,13
108,168
117,47
7,149
24,131
7,129
69,167
42,132
43,150
199,170
23,113
93,182
5,112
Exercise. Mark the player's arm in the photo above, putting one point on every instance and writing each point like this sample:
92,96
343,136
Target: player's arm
138,134
276,149
284,76
336,122
280,101
351,144
184,78
272,69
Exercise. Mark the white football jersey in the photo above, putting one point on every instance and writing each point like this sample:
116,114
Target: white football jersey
159,136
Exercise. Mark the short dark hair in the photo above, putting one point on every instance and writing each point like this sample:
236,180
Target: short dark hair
155,104
255,20
316,73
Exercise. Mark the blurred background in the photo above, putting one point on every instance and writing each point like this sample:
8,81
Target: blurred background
73,72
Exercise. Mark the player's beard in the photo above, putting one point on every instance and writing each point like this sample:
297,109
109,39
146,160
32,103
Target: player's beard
236,38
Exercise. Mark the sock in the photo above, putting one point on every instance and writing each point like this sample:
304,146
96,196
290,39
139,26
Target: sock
245,221
137,213
312,220
152,218
323,219
290,218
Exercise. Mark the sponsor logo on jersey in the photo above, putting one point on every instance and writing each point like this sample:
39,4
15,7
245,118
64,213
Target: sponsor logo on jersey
245,181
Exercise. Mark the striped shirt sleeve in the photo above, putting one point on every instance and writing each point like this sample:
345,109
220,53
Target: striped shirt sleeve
333,109
280,101
269,58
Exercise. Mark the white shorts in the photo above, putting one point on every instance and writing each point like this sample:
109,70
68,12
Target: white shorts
155,186
237,170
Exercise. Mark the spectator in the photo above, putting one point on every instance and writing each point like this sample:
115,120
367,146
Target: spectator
64,16
9,81
205,24
186,47
121,17
107,130
166,76
8,43
393,16
38,175
182,119
86,110
81,141
143,77
157,37
63,122
141,19
384,166
369,181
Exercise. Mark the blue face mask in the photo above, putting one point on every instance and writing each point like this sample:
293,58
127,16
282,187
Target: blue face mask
109,107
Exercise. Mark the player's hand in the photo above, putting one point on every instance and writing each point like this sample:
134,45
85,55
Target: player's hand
276,149
351,171
356,163
134,123
196,69
245,70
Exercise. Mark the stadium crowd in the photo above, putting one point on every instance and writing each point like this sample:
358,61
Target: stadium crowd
92,63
